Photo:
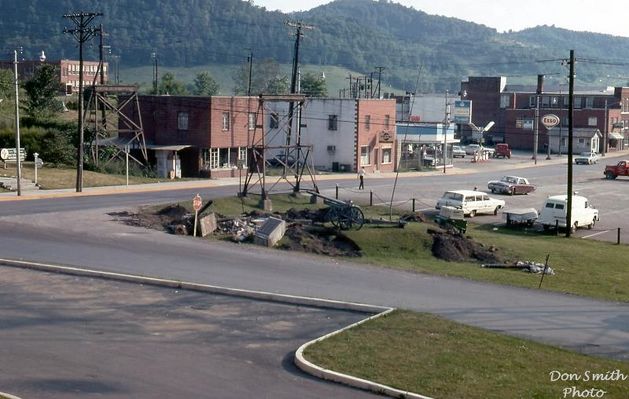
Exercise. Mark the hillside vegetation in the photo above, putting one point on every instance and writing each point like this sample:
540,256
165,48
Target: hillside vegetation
418,51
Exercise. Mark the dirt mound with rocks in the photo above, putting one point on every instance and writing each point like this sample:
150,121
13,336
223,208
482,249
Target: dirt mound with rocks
454,247
318,240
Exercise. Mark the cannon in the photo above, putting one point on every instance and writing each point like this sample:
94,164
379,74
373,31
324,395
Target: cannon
343,215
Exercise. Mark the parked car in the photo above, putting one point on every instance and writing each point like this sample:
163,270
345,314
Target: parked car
458,152
502,151
280,160
472,149
511,185
471,202
586,158
553,212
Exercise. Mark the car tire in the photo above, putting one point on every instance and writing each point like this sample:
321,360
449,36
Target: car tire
496,210
473,213
574,227
610,176
591,225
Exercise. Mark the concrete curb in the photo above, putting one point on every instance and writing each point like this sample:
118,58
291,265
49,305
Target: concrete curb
211,289
300,361
8,396
330,375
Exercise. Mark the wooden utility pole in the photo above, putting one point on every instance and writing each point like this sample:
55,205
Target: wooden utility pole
293,90
570,137
82,33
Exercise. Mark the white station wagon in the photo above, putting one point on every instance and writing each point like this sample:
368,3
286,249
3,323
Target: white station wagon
471,202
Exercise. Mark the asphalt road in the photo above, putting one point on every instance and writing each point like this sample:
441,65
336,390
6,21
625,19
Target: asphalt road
48,231
65,337
92,239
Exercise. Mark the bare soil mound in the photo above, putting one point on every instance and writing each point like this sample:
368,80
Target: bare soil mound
318,240
454,247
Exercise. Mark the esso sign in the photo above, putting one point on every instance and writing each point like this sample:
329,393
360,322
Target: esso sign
550,121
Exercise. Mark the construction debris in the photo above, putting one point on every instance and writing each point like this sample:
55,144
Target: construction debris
526,266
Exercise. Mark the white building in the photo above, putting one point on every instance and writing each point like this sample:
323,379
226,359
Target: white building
345,134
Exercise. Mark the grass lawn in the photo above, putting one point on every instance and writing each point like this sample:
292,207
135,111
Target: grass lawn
583,267
58,178
443,359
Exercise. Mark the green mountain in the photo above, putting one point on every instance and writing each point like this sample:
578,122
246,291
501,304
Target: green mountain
419,52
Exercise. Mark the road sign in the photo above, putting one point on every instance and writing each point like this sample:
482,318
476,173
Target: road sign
550,121
9,154
197,202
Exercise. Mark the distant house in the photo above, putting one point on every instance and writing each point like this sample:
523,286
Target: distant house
583,140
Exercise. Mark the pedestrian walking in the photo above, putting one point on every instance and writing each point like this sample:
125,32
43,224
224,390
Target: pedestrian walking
361,177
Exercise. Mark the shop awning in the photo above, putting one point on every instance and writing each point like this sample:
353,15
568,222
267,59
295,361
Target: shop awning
167,147
615,136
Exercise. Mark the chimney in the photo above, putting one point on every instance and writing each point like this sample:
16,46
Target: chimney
540,84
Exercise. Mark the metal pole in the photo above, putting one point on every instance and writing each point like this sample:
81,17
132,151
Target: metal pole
446,123
536,135
605,131
35,155
126,153
18,162
250,68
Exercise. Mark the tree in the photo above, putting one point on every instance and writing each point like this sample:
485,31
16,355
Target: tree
205,85
266,78
6,83
169,85
41,91
313,85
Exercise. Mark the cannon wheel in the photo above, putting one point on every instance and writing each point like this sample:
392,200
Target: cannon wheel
346,218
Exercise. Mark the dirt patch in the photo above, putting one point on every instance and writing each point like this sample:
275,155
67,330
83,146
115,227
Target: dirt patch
318,240
454,247
304,232
172,218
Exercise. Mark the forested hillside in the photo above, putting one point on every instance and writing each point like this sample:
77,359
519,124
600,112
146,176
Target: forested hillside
417,50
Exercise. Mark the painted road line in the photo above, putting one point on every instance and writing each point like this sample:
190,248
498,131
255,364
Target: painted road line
596,234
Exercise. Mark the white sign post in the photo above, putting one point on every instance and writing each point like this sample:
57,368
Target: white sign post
550,121
196,205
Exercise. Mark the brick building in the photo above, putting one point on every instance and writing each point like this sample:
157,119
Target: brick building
212,136
197,136
512,108
68,71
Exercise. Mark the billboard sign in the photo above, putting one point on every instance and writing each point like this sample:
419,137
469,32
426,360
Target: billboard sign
462,111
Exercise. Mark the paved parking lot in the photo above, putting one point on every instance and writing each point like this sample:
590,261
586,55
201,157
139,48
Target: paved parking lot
74,337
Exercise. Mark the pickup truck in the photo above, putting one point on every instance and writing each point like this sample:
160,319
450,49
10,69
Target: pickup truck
502,151
586,158
620,169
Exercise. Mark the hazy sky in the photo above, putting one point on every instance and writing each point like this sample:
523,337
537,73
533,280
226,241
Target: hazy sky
581,15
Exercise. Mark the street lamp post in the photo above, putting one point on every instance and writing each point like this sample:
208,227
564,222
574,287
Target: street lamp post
155,72
17,127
